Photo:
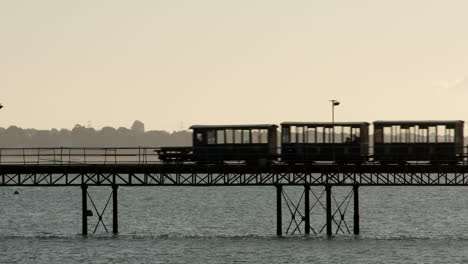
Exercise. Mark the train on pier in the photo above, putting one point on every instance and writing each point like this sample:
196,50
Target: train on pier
390,142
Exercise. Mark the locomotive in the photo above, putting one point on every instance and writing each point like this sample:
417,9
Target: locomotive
392,142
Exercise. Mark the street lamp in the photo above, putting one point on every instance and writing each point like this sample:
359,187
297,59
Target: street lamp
333,104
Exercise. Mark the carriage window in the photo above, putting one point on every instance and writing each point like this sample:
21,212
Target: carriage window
441,134
387,134
356,135
238,136
245,136
255,136
432,134
285,134
338,131
346,134
412,134
450,135
379,137
416,134
395,134
229,136
219,136
311,135
320,135
293,134
404,132
300,134
199,137
423,135
211,137
328,135
305,134
263,136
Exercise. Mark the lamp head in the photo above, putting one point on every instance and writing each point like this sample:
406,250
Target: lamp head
335,102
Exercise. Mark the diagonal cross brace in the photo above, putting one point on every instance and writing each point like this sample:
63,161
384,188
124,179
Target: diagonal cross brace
100,214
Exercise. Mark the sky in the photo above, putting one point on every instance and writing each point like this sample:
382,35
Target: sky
174,63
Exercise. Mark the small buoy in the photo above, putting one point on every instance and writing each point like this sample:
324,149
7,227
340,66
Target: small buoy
16,192
89,213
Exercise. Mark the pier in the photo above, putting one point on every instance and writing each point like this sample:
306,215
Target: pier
112,168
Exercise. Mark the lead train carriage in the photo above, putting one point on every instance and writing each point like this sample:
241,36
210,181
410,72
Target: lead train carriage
251,144
306,143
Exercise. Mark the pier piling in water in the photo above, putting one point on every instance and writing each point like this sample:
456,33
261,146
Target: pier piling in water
279,213
84,208
307,209
356,209
329,209
115,220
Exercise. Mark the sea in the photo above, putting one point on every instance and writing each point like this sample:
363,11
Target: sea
232,225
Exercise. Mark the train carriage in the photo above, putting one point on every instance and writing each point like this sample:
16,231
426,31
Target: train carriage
431,141
343,142
214,144
252,144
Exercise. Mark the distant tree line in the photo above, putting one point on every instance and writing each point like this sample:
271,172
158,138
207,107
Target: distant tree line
81,136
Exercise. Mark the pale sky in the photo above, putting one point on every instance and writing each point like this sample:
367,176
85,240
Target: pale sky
176,63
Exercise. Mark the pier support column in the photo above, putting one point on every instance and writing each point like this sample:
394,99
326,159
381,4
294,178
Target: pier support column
307,209
84,208
115,219
329,209
279,213
356,209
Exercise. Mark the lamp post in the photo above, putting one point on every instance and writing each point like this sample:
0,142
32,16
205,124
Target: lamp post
333,104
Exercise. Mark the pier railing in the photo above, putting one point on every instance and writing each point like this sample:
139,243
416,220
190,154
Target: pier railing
77,156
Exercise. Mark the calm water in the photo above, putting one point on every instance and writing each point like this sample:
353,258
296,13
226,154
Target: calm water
229,225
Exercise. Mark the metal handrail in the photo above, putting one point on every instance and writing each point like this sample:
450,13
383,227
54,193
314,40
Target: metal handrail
61,156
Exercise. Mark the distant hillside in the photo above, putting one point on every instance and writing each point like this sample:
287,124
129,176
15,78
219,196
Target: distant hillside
81,136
